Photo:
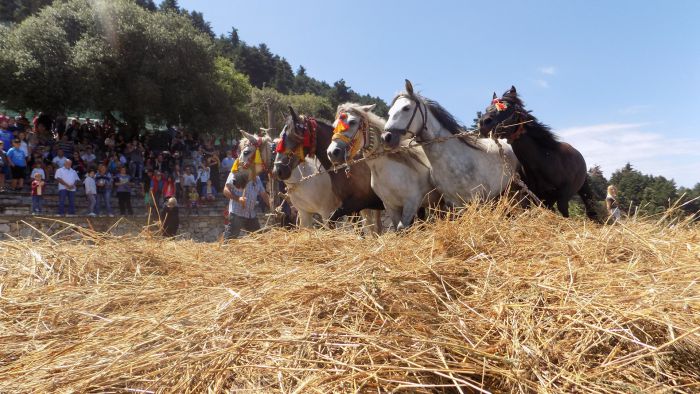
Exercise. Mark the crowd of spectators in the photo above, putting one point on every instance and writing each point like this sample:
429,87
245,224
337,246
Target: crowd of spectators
94,157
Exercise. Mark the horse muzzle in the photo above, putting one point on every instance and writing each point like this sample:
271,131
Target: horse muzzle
391,138
337,152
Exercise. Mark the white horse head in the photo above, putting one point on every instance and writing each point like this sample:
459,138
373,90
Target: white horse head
408,118
356,130
256,153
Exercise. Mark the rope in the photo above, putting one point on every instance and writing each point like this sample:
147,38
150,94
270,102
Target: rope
412,144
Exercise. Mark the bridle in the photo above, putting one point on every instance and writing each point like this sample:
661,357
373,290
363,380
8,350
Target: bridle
423,113
351,142
255,158
517,116
304,135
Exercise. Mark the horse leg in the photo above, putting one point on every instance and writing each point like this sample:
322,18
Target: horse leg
371,223
563,206
339,213
395,216
306,219
378,221
589,204
410,209
549,204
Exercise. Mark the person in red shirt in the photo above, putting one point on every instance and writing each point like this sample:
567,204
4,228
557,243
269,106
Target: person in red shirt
37,193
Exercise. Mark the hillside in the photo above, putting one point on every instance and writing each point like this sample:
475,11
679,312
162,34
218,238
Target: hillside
496,300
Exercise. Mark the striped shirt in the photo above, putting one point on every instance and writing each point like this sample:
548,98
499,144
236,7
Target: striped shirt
252,191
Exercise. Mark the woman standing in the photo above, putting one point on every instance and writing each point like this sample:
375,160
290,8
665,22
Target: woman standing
612,203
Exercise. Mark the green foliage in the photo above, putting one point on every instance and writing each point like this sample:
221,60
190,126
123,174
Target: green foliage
647,193
15,11
117,56
598,183
268,99
266,69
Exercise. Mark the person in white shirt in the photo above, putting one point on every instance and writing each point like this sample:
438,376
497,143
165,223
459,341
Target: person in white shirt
67,180
88,157
91,192
59,160
202,176
38,170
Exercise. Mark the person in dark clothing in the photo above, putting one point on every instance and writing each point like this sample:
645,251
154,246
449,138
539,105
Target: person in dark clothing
171,218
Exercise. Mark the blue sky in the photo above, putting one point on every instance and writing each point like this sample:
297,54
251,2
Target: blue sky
619,80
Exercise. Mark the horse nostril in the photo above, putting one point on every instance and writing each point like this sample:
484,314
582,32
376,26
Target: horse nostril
336,152
387,137
486,121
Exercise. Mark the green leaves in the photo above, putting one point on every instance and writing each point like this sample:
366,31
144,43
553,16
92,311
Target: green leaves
116,56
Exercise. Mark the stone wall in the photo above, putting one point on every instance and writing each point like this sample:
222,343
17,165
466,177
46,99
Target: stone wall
198,228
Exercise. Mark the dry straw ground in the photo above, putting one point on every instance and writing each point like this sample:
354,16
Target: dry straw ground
494,300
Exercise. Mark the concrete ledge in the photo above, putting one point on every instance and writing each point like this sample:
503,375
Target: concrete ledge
204,228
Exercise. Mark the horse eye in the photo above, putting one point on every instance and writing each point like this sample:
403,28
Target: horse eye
406,108
352,122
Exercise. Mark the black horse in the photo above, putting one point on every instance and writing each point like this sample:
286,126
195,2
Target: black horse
353,188
554,171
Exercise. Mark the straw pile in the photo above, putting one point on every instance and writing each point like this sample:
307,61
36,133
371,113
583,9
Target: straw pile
495,300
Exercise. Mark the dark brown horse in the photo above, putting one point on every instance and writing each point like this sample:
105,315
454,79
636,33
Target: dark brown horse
305,136
554,171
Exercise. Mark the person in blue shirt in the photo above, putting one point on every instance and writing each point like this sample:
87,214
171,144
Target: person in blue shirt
6,135
17,160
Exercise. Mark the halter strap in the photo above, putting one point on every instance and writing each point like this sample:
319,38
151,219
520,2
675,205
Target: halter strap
353,149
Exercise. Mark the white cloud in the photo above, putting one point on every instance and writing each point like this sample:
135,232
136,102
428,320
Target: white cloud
542,83
612,145
548,70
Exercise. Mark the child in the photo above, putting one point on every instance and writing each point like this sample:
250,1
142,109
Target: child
37,193
193,197
124,192
38,170
91,192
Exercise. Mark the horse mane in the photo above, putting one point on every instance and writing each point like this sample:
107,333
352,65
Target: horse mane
446,119
375,121
407,156
541,133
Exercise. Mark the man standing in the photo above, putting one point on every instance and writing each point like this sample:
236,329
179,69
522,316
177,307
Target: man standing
242,195
67,180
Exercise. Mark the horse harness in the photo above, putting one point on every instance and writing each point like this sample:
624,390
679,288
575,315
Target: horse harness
500,106
306,140
341,126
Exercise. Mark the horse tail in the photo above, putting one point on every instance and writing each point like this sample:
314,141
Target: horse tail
589,203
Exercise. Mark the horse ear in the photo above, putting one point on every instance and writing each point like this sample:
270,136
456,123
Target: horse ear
249,136
409,87
368,108
495,96
294,114
512,91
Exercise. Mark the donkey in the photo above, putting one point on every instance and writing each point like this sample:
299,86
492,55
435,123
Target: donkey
464,169
554,171
401,179
304,136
